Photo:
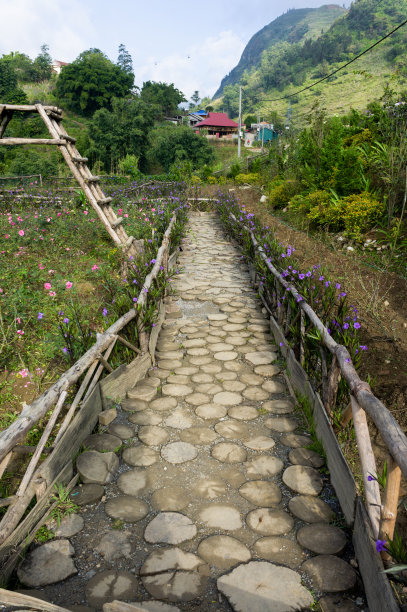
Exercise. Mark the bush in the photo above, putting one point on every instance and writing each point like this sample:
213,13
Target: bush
281,192
304,203
212,180
251,178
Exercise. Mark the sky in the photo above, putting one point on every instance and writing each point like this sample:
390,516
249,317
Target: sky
193,45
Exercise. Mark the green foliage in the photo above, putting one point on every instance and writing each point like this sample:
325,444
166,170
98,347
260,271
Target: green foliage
303,203
65,506
281,191
91,82
171,144
250,178
9,90
129,166
166,98
249,119
43,534
124,60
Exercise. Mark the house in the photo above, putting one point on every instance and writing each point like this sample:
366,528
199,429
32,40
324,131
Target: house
265,132
196,117
218,125
57,66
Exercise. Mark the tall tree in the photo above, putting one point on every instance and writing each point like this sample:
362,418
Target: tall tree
9,90
165,97
195,97
124,60
42,65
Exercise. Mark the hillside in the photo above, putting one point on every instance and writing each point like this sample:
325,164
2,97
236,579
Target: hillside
295,26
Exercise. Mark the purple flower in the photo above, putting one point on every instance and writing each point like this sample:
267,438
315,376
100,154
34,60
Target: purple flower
380,545
337,286
134,299
346,326
65,350
370,478
66,320
356,325
281,344
104,312
40,315
321,278
301,276
363,347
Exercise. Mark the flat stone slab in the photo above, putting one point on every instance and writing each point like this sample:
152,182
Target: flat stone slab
152,435
281,424
337,603
170,499
140,456
69,526
178,452
329,573
174,575
142,392
115,545
221,516
248,378
227,452
305,456
225,355
267,370
210,412
310,509
223,552
295,440
197,399
110,585
303,479
211,368
198,352
243,413
260,585
102,442
232,430
47,564
263,466
95,467
210,488
186,370
198,435
179,419
86,494
133,405
273,386
259,443
279,406
228,398
124,432
261,493
162,404
145,418
170,528
280,550
255,394
133,482
270,522
169,364
322,539
127,508
261,357
176,390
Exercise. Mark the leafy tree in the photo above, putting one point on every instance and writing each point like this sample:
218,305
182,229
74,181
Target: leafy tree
41,68
9,90
91,82
124,60
165,97
249,120
21,64
195,97
170,144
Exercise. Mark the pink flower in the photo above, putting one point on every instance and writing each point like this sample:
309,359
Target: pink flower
52,293
6,236
153,210
51,271
59,214
18,320
20,332
68,284
126,215
23,373
47,286
21,233
41,267
95,267
85,212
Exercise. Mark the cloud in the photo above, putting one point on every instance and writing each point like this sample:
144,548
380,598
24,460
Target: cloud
200,67
64,26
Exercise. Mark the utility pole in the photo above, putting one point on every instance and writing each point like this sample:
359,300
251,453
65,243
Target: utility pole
240,121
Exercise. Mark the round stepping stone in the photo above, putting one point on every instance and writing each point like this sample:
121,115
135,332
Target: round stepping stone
163,404
151,380
329,573
303,479
179,419
145,418
151,435
280,550
102,442
223,552
69,526
178,452
232,430
221,346
256,394
186,370
259,443
174,575
188,329
161,374
198,435
260,585
226,452
221,516
197,399
281,424
225,355
86,494
124,432
209,388
226,375
170,499
236,340
170,357
169,364
95,467
198,352
210,488
170,528
261,493
252,379
133,482
228,398
322,539
304,456
233,385
211,411
263,466
194,343
211,368
295,440
140,456
200,361
233,327
109,585
127,508
176,390
201,377
177,379
261,357
310,509
233,366
267,370
273,386
144,393
114,545
243,413
217,317
47,564
270,522
278,406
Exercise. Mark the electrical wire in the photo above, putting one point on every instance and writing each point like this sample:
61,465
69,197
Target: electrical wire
340,67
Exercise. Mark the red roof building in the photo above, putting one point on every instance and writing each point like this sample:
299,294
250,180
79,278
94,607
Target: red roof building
218,125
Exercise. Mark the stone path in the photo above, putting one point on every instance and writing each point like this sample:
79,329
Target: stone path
216,503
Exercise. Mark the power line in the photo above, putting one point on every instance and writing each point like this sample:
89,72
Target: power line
340,68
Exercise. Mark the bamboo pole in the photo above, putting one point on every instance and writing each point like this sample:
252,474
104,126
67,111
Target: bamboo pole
390,503
11,598
31,141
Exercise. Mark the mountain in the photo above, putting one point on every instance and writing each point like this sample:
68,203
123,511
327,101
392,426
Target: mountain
295,26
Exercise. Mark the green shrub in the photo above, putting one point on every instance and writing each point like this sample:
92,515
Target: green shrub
304,203
212,180
281,192
251,178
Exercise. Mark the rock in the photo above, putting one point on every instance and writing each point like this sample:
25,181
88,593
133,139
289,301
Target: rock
260,585
270,522
243,413
273,386
261,357
280,550
225,355
140,456
263,466
179,419
83,495
221,516
95,467
145,418
178,452
295,440
303,479
110,585
209,412
322,539
259,443
197,399
223,552
170,528
102,442
280,406
151,435
304,456
162,404
338,603
267,370
227,452
210,488
154,606
114,545
176,390
142,392
133,482
127,508
255,394
198,435
170,499
310,509
124,432
261,493
228,398
69,526
281,424
232,430
107,416
47,564
329,573
133,405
